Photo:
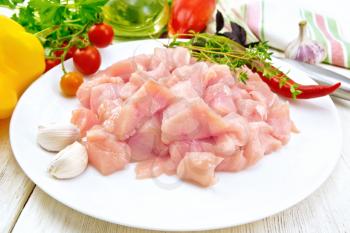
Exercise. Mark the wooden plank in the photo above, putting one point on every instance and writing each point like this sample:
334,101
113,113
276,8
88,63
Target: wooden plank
15,187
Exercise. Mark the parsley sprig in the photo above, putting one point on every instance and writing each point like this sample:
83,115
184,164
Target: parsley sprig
58,24
222,50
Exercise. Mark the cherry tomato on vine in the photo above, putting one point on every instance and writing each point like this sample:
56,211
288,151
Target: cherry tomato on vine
87,60
70,83
58,53
50,63
101,35
71,50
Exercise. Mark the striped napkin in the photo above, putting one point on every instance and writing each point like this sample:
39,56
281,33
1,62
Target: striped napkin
277,23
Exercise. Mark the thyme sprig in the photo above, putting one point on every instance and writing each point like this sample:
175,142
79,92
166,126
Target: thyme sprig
222,50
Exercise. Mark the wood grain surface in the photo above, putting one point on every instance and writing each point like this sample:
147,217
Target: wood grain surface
15,187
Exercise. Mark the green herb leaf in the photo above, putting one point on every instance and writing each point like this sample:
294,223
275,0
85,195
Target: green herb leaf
51,12
222,50
243,77
294,91
59,25
10,3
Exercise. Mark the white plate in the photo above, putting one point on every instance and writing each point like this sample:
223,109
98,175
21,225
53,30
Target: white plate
276,183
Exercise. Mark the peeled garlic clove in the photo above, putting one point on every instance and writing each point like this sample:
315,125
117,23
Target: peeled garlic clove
55,137
69,162
304,49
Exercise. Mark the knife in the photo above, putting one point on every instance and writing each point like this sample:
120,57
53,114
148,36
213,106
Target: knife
324,77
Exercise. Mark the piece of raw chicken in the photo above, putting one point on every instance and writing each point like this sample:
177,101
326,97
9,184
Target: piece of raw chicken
198,167
174,115
105,152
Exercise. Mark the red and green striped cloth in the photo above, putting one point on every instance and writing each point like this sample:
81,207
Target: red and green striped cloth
277,23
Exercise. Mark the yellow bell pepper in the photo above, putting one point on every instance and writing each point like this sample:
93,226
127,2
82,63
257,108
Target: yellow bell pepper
22,60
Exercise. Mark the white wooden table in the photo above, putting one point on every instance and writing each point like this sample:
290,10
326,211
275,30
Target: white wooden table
25,208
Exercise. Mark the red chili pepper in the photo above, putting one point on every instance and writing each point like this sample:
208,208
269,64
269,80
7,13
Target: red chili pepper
187,15
306,91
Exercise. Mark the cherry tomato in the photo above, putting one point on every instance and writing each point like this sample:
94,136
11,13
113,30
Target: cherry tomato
71,50
50,63
187,15
87,60
101,35
58,53
70,83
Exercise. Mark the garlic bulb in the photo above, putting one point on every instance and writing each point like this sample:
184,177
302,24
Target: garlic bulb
69,162
55,137
304,49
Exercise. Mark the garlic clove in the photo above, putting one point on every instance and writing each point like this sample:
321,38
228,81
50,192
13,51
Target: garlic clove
55,137
69,162
304,49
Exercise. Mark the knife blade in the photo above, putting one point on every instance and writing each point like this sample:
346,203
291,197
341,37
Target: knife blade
324,77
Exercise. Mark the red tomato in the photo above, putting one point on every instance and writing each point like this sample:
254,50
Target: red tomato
101,35
189,15
58,53
50,63
70,83
87,60
71,52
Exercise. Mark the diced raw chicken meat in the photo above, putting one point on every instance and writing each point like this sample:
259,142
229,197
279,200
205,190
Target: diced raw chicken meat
219,74
251,109
135,82
84,119
102,92
184,90
258,89
192,119
160,71
105,153
238,93
174,115
263,99
84,91
199,168
226,144
195,73
219,97
148,100
279,118
109,109
146,142
233,163
229,143
238,126
181,57
155,167
126,67
261,141
178,149
162,56
170,58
